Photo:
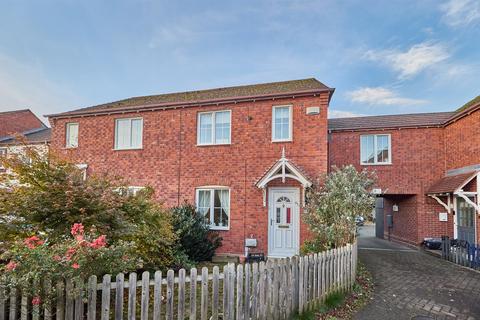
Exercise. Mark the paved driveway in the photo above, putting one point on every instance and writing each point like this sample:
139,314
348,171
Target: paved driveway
410,283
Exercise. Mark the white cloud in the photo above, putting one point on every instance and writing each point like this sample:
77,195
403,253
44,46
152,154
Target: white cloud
413,61
25,86
461,12
342,114
381,96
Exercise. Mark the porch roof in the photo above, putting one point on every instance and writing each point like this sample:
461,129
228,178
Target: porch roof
451,183
283,169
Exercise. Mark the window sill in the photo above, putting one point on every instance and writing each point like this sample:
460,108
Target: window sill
213,144
220,228
376,164
127,149
280,141
70,148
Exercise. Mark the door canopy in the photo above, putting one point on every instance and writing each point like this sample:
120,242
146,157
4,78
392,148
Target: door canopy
283,169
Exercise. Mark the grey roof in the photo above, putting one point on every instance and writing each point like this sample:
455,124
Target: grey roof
412,120
202,96
42,135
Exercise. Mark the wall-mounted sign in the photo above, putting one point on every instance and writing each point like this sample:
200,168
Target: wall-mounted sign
377,191
443,216
395,208
313,110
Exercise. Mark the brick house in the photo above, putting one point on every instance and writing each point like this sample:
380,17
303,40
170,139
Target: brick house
244,155
427,167
26,124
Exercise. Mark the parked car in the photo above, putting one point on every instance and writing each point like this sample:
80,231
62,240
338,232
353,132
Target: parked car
359,220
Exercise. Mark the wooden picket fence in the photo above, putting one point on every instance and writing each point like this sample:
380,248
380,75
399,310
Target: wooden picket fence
277,289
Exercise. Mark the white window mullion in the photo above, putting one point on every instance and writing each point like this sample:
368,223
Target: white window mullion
212,207
214,127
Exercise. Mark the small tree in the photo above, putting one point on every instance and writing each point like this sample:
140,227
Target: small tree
332,205
194,235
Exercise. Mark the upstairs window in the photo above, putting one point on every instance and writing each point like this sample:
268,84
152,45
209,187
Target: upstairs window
282,123
128,133
375,149
214,204
71,135
214,128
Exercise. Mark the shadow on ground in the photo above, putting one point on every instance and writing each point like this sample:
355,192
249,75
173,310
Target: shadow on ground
410,284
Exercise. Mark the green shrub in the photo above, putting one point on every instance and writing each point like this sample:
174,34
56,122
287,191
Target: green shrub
194,235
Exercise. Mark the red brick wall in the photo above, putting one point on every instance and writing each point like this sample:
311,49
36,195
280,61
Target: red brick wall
174,165
417,161
413,153
462,140
17,122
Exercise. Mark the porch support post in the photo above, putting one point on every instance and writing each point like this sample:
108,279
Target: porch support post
264,194
443,204
467,200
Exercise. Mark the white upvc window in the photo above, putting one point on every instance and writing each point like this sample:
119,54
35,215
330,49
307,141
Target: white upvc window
128,133
71,140
214,204
282,123
214,127
375,149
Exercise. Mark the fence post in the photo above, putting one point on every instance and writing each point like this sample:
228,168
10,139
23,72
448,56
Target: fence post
226,279
261,288
157,296
239,304
170,294
231,291
181,294
132,295
300,284
215,287
92,298
2,301
255,291
106,297
204,298
60,313
193,293
119,293
247,287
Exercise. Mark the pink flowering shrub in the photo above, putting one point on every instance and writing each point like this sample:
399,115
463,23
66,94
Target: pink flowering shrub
81,255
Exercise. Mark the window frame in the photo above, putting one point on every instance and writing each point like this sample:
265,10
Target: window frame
212,189
290,123
375,137
213,113
67,134
115,142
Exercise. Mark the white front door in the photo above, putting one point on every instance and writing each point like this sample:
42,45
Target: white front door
284,224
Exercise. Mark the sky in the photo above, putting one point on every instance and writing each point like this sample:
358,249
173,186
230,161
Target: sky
383,57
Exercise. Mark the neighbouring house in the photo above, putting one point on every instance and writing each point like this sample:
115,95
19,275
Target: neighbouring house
427,165
24,124
244,155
